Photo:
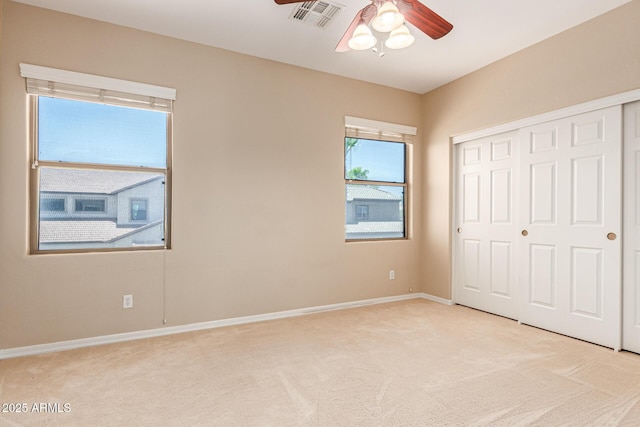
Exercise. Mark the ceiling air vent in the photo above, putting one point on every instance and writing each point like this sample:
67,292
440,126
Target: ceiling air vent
317,13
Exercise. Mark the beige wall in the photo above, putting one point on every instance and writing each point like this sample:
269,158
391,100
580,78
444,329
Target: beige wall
598,58
258,194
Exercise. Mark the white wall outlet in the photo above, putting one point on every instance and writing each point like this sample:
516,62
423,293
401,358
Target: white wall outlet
127,301
392,274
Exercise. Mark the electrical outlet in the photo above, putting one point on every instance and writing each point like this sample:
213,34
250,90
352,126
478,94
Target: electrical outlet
392,275
127,301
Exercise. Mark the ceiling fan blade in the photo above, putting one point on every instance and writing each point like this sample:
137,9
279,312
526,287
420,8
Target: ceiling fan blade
366,14
424,19
288,1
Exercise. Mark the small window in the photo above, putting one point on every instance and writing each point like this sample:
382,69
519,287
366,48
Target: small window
375,174
138,210
362,212
90,205
52,205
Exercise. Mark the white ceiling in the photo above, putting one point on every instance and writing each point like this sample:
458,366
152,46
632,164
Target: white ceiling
484,31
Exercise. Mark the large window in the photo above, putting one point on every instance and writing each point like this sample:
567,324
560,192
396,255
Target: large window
375,173
102,152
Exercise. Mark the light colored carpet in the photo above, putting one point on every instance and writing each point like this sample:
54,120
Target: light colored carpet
410,363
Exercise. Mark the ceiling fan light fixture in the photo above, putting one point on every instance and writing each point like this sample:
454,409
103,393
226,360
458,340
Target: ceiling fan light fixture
388,18
400,38
362,38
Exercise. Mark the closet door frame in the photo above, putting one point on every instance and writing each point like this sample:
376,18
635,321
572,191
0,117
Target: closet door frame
631,227
615,100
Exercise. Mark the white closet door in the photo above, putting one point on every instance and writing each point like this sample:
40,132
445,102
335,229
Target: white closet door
631,290
485,273
570,214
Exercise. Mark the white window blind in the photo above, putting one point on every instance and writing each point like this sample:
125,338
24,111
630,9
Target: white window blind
86,87
356,127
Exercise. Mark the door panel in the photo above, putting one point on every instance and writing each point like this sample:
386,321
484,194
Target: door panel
500,274
472,155
544,139
501,196
471,262
501,149
587,185
543,276
586,282
471,200
543,193
571,201
587,131
485,272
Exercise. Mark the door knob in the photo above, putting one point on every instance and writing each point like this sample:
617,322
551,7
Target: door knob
459,230
525,233
611,236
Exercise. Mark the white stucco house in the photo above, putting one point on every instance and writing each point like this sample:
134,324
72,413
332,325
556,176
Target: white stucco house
88,208
372,213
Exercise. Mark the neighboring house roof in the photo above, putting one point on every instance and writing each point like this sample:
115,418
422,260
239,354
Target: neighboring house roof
91,181
76,231
366,192
375,227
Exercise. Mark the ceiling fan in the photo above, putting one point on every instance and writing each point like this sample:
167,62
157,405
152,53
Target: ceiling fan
388,17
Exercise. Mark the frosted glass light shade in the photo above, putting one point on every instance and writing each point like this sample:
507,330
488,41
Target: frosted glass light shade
388,18
362,38
399,38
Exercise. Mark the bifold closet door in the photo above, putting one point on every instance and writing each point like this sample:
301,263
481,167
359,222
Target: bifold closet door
570,215
631,289
485,260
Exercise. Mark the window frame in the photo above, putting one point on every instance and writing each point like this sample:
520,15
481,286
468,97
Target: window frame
34,238
374,130
404,185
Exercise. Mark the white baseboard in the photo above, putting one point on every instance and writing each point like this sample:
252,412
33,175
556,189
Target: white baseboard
150,333
437,299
